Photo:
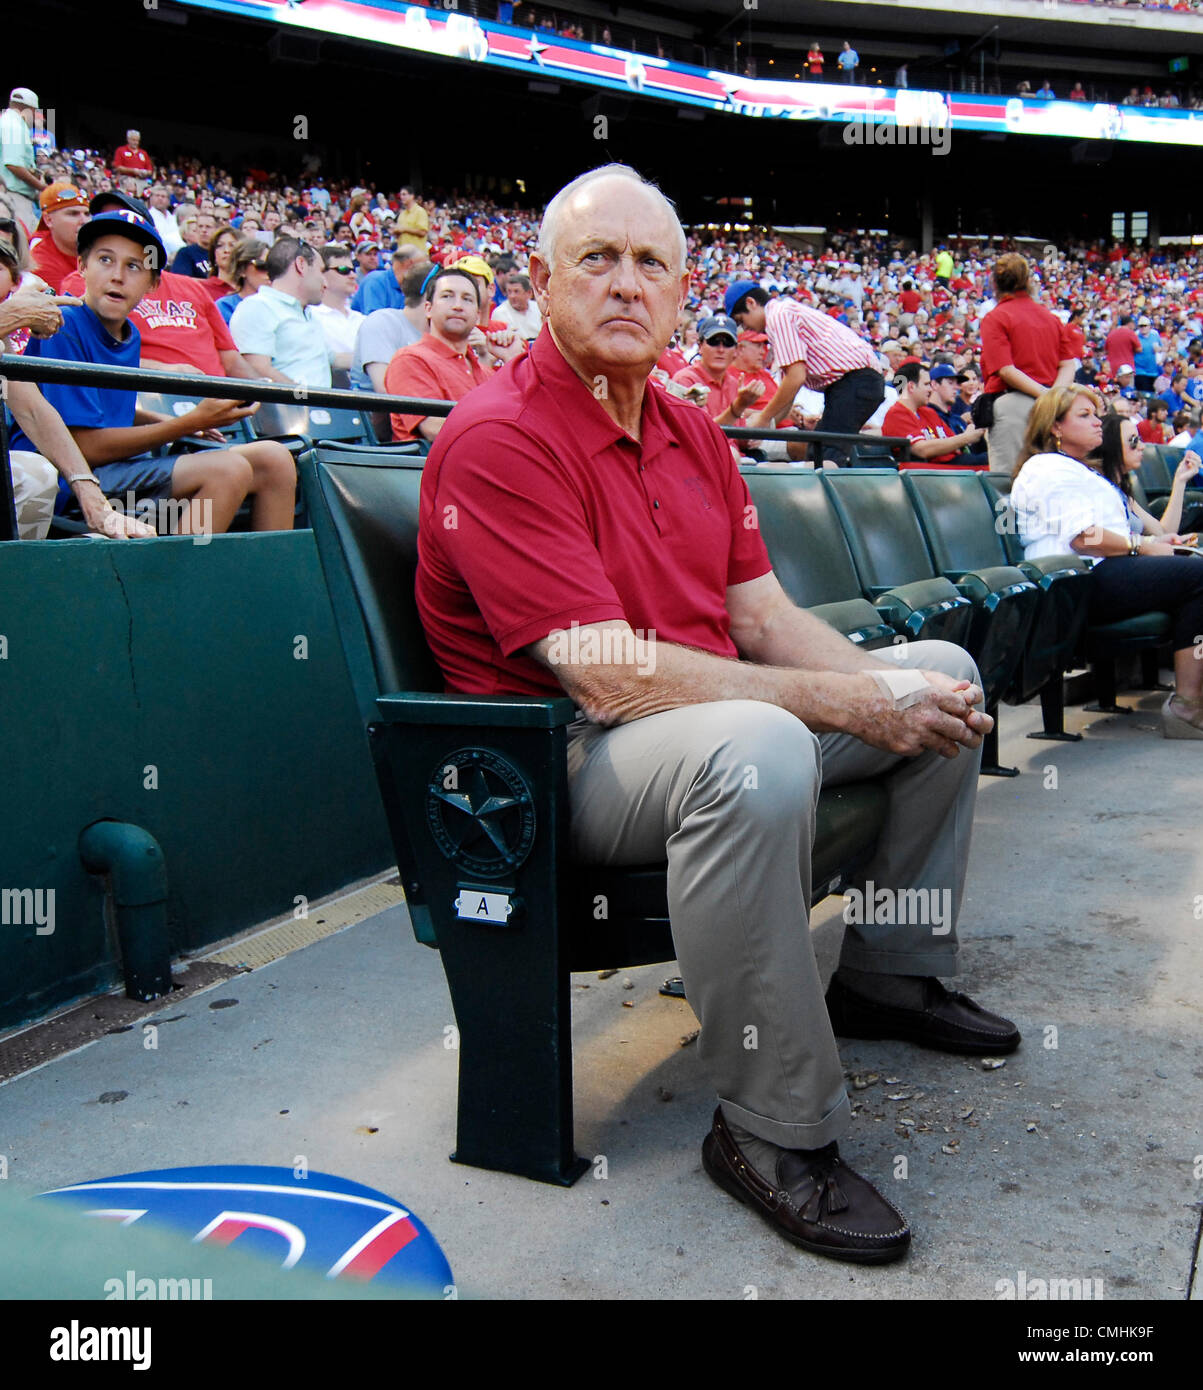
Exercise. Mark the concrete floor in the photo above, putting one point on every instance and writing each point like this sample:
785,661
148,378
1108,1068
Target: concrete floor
1074,1160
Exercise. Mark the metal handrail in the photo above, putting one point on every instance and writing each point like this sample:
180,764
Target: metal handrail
55,370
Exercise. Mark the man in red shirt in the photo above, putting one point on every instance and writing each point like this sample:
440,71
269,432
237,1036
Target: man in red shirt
132,160
1122,345
715,370
52,247
1025,351
440,366
1155,430
582,534
751,351
933,443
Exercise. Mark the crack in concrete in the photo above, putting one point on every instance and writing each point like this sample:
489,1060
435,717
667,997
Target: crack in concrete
1194,1260
129,638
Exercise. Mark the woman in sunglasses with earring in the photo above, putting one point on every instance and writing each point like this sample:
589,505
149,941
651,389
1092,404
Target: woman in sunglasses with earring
1065,504
1120,456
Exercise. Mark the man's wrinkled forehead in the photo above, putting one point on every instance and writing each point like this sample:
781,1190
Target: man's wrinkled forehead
618,213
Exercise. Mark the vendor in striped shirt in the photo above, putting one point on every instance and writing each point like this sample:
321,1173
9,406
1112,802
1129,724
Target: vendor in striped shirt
811,349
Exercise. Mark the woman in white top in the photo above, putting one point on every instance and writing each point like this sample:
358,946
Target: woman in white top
1065,505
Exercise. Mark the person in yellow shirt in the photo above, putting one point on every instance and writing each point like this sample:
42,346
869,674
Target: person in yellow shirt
944,265
414,222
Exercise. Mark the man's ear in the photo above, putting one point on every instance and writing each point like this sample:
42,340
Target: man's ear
540,275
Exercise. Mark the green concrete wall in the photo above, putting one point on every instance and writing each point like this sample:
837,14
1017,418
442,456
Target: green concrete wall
123,665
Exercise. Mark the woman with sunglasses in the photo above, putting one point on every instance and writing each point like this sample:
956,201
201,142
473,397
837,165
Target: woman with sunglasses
248,270
1065,504
1120,456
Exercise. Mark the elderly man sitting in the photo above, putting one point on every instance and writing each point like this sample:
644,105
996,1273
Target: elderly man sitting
586,500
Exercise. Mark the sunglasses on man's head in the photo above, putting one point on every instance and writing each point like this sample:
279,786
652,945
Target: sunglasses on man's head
8,227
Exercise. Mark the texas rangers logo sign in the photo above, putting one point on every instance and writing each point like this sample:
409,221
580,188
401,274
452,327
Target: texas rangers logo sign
320,1222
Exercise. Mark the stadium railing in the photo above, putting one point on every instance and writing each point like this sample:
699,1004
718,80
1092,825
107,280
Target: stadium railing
300,415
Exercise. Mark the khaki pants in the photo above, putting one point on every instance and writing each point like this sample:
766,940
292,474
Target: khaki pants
35,490
1004,439
729,791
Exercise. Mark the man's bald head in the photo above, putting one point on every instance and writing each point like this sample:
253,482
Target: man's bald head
596,188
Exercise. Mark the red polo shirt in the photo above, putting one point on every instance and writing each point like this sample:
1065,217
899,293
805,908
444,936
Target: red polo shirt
129,158
432,371
722,393
538,512
49,262
1018,332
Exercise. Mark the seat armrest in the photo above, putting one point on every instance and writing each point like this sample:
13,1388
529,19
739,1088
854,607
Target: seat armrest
478,711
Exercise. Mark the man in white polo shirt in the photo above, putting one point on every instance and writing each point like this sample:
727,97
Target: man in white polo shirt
275,328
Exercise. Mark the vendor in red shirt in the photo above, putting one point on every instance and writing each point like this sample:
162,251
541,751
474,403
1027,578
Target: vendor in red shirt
441,365
52,246
1025,351
932,442
814,62
715,369
132,159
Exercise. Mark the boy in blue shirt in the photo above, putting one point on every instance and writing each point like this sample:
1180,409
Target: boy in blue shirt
120,254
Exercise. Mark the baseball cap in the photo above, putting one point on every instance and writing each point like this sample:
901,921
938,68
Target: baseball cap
892,345
112,196
61,194
1125,370
736,292
718,323
746,337
474,265
23,96
366,246
941,372
124,223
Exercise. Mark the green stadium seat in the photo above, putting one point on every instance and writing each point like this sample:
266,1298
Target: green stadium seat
964,528
509,982
165,403
312,424
809,553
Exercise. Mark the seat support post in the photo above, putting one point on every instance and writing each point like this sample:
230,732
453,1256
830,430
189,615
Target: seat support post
509,981
1052,708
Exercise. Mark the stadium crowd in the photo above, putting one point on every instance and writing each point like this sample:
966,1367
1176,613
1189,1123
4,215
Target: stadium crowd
320,283
301,281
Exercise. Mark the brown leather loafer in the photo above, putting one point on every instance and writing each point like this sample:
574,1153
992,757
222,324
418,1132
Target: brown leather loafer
947,1022
816,1201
